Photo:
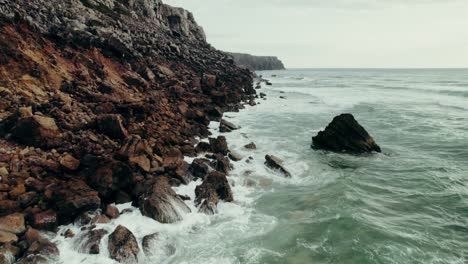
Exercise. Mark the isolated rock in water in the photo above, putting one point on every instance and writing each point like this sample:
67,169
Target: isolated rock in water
213,188
234,156
161,203
219,145
123,246
251,145
38,131
276,164
158,244
226,126
345,134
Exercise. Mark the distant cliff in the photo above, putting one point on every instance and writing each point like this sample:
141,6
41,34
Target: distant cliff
257,63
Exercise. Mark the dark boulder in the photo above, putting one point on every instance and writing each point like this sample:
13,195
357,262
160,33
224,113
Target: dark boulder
123,246
226,126
38,131
219,145
161,203
276,164
251,145
111,126
200,168
345,134
213,188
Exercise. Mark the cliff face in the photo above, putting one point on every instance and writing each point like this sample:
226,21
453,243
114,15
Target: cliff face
257,63
99,97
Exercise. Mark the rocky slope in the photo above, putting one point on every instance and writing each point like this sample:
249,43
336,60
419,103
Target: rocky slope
99,102
257,63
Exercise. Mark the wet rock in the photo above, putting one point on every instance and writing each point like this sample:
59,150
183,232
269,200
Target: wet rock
8,253
112,211
219,145
200,168
123,246
221,163
112,126
91,240
45,220
276,164
203,147
69,234
234,156
213,188
38,131
161,203
345,134
13,223
69,162
7,237
100,219
40,249
226,126
158,244
251,145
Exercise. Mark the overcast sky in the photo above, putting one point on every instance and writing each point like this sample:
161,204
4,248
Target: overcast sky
339,33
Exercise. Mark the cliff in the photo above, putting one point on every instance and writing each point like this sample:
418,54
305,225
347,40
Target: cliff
98,98
257,63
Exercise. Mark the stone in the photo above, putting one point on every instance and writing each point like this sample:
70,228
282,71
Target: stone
69,162
161,203
17,191
112,211
251,145
13,223
123,246
213,188
45,220
4,172
158,244
8,253
209,80
90,241
200,168
234,156
38,131
345,134
219,145
8,207
7,237
226,126
112,126
221,163
276,164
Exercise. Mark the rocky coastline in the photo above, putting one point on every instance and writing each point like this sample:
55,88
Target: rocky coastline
257,63
100,101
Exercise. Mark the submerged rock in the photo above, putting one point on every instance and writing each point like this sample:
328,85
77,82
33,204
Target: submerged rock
213,188
161,203
123,246
345,134
91,240
276,164
158,244
251,145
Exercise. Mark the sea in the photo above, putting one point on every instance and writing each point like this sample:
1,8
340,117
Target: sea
408,204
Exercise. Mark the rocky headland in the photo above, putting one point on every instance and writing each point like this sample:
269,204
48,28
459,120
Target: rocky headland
100,101
257,63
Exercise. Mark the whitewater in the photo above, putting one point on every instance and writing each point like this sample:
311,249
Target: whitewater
408,204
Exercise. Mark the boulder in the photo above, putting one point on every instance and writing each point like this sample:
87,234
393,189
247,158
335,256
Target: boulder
161,203
45,220
8,207
200,168
219,145
13,223
251,145
40,248
209,80
111,126
7,237
276,164
226,126
8,253
90,241
123,246
38,131
221,163
345,134
213,188
112,211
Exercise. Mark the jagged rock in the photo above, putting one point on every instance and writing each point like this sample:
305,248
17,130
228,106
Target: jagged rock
123,246
45,220
345,134
13,223
200,168
91,240
158,244
111,125
213,188
69,162
38,131
257,63
161,203
75,197
251,145
226,126
219,145
221,163
40,248
276,164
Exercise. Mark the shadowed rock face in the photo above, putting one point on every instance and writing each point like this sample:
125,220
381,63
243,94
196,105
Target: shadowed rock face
345,134
257,63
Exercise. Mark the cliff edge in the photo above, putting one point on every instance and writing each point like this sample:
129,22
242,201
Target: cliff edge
257,63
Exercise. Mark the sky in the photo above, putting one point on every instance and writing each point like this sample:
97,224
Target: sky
339,33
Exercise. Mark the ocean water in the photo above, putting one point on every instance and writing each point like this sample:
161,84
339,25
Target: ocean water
408,204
